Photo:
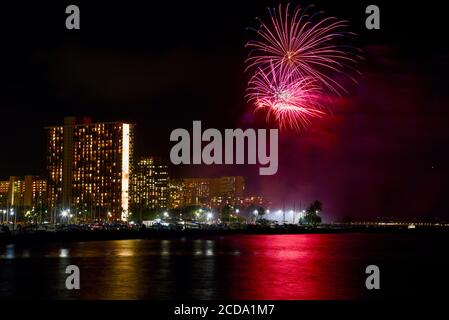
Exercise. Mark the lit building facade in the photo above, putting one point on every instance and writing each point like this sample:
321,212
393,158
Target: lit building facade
230,186
23,194
35,193
4,187
149,187
89,168
253,200
196,192
176,193
15,192
208,192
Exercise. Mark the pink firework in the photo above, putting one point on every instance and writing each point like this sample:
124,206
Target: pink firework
307,44
292,63
291,101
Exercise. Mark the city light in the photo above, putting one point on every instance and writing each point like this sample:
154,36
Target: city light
125,171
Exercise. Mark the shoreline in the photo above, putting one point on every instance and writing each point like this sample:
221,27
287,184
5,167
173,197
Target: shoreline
82,236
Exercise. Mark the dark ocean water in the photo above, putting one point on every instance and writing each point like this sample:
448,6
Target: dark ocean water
312,266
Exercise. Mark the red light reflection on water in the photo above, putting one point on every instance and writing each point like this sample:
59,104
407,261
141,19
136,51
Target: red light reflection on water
294,267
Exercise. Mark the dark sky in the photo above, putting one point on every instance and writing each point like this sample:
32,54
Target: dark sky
382,152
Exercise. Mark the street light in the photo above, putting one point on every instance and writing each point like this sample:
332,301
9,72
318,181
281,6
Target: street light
255,212
12,213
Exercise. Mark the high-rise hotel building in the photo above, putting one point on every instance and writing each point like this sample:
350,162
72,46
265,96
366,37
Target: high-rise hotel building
89,167
149,187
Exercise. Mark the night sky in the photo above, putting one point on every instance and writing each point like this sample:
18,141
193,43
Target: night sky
382,152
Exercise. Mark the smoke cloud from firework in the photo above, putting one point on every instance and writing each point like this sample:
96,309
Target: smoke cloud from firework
292,62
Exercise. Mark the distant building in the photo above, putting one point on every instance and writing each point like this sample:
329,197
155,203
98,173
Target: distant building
176,193
226,191
228,187
13,192
221,201
207,192
89,167
253,200
37,197
4,187
196,192
27,193
149,185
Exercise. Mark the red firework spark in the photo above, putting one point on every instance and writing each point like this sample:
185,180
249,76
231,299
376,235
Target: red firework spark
291,101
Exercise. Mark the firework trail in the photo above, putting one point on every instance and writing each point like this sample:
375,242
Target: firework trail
298,51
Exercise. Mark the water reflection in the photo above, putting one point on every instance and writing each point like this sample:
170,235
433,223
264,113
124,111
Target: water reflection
232,267
64,253
165,247
10,251
290,267
124,273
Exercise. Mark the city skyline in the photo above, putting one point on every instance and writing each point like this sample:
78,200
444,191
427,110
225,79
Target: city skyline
92,173
382,152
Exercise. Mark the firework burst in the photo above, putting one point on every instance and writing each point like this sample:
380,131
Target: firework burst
306,43
292,62
291,101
